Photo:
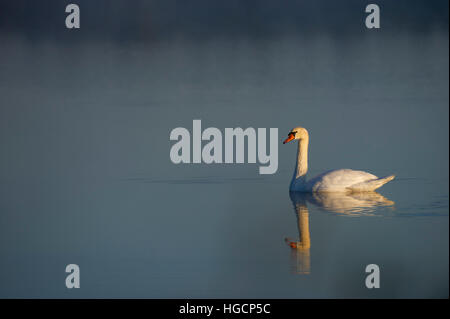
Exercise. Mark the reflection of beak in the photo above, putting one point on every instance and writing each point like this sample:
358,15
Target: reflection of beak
290,138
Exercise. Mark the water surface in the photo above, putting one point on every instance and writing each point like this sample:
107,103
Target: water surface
86,176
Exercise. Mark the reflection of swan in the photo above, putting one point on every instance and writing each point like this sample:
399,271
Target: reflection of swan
353,204
300,254
340,180
361,203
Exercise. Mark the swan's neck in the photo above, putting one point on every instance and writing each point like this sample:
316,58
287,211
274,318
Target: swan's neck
302,159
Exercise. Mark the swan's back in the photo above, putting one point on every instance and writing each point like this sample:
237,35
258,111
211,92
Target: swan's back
346,180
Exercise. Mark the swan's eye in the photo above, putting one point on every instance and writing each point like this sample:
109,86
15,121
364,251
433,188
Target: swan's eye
293,133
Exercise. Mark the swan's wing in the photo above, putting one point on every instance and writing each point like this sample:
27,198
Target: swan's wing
339,180
371,185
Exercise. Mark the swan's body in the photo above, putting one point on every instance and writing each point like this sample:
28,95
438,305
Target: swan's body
341,180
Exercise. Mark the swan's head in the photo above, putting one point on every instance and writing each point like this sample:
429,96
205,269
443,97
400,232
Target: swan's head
296,133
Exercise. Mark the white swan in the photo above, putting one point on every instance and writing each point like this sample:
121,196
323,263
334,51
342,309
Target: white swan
340,180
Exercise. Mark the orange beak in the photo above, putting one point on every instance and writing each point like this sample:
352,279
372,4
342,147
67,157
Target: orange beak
290,138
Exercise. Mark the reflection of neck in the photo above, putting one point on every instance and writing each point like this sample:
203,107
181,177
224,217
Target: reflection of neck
301,255
303,227
302,159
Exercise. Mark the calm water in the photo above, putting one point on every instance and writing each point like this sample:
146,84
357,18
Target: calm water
86,176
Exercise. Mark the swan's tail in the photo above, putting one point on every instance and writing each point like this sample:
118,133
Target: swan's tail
371,185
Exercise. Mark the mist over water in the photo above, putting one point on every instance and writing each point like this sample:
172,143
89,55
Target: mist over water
86,176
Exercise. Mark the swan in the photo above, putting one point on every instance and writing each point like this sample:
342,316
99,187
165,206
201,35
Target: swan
340,180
